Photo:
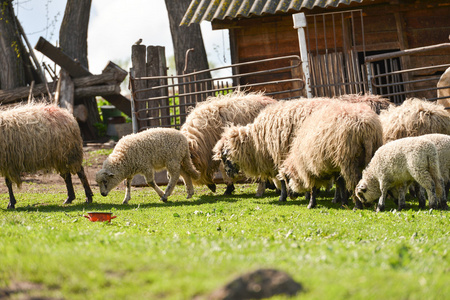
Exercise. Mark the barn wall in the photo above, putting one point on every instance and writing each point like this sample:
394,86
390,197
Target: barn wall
388,26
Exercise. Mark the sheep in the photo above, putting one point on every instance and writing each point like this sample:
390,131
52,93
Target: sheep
442,143
258,148
376,102
335,141
414,117
144,153
443,91
40,136
205,124
397,164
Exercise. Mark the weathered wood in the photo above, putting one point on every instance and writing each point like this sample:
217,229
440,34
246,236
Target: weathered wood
97,90
65,91
139,66
74,68
407,52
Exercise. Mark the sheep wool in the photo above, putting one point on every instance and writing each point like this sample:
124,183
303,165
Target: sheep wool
144,153
336,140
397,164
414,117
41,137
206,122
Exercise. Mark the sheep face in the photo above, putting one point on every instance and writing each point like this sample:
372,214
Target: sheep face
367,191
106,180
231,168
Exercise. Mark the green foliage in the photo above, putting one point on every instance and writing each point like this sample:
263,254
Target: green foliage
184,248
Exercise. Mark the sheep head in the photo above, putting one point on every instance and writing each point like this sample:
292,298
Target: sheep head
367,191
106,180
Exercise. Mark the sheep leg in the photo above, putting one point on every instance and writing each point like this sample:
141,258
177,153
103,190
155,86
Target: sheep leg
421,196
12,199
188,184
382,201
87,189
212,187
401,197
312,200
150,178
283,195
261,188
230,189
174,176
127,191
70,191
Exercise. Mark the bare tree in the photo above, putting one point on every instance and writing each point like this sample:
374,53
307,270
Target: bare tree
184,38
12,73
73,41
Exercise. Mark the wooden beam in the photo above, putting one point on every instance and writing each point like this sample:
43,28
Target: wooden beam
74,68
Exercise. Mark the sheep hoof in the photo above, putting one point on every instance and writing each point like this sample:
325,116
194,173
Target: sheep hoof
68,200
282,199
88,199
380,208
311,205
11,206
400,207
230,189
212,187
189,196
163,199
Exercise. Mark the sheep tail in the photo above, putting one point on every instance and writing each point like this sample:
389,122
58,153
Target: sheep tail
189,168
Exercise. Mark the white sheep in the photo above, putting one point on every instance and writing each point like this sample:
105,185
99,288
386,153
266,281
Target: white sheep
397,164
206,122
335,141
442,143
144,153
44,137
414,117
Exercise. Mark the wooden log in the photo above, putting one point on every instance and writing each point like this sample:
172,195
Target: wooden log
74,68
97,90
65,91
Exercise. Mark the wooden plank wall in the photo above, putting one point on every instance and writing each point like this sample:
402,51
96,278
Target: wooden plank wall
388,26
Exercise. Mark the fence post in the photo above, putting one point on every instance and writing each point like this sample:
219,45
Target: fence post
138,65
300,25
156,67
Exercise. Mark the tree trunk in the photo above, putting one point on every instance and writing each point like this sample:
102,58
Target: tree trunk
184,38
73,41
12,73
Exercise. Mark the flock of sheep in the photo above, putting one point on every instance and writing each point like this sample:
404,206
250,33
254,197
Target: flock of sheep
363,144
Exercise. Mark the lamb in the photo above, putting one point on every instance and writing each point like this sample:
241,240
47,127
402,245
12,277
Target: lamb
335,141
40,136
397,164
144,153
442,143
413,118
205,124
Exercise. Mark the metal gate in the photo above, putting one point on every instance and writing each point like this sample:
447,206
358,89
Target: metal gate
336,52
164,101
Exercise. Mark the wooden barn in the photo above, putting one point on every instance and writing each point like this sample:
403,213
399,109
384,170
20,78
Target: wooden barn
397,48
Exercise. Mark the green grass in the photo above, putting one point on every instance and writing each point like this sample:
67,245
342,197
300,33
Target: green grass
184,248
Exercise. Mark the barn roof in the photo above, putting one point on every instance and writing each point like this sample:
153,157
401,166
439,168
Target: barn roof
209,10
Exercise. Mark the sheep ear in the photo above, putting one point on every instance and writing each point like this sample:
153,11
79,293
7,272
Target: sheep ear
110,174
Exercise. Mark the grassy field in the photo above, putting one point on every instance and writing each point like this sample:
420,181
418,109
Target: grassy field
186,248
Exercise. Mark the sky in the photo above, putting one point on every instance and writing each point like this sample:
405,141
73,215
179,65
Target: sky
114,26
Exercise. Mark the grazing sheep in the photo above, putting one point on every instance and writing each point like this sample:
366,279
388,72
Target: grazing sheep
442,143
41,137
335,141
413,118
144,153
397,164
257,149
271,134
205,124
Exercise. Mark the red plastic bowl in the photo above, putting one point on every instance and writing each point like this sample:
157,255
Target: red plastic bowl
100,216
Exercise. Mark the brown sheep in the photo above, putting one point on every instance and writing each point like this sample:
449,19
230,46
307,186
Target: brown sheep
338,139
41,137
206,122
